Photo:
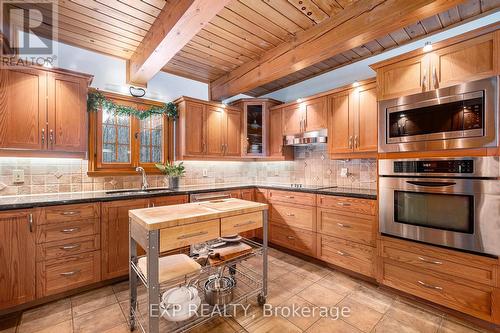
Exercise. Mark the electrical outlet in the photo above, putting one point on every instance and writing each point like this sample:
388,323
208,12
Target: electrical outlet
344,172
205,172
276,172
18,176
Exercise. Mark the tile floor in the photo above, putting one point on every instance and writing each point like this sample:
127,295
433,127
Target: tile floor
293,281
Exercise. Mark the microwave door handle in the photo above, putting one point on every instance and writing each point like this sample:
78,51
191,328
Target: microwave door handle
430,184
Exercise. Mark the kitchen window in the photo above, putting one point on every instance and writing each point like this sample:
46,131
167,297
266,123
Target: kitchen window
120,143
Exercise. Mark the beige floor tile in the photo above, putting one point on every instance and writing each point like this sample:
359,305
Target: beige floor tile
122,292
275,271
340,283
274,254
273,325
373,298
413,316
286,265
276,293
293,283
100,320
122,328
360,315
329,325
391,325
217,325
302,320
64,327
451,326
320,296
251,313
292,260
92,300
312,272
45,316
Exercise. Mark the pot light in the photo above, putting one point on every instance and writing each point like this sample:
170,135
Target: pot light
427,47
299,100
355,84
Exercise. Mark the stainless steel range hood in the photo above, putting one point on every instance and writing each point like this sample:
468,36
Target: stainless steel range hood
306,138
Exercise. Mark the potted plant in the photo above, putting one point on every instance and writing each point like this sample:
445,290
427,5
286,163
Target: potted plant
173,172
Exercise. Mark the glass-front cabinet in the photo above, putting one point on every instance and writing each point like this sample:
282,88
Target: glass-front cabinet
255,126
120,143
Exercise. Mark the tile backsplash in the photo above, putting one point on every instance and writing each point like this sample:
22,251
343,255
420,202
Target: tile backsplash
311,167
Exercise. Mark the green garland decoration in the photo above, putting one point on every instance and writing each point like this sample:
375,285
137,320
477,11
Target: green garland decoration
97,101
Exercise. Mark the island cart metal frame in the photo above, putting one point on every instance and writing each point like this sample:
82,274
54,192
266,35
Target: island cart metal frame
150,241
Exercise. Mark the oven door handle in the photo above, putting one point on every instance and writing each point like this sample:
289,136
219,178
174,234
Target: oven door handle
430,184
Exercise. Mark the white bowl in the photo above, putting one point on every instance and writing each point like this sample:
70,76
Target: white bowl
184,312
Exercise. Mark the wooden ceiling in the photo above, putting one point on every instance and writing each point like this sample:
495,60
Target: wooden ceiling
241,32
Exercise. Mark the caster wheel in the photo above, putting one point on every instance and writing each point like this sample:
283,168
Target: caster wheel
261,299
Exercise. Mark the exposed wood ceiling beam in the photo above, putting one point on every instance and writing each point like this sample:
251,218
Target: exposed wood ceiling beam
357,24
176,25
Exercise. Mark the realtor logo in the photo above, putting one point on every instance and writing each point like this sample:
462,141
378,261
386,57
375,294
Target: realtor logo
28,32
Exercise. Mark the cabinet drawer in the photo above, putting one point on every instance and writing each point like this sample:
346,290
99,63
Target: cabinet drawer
295,239
292,197
353,227
236,224
56,214
355,205
296,216
455,267
353,256
168,200
58,275
67,247
465,298
184,235
66,230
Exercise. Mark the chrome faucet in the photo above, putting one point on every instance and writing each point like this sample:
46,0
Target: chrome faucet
145,184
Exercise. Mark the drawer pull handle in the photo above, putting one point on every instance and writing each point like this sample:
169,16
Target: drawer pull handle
70,230
194,234
70,273
343,204
342,225
289,197
343,254
290,214
30,222
290,237
430,261
425,285
243,224
71,213
70,247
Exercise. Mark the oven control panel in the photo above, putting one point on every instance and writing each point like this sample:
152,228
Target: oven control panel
442,166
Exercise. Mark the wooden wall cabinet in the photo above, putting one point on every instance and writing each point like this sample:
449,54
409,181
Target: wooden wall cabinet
17,258
43,112
207,130
352,121
468,57
304,116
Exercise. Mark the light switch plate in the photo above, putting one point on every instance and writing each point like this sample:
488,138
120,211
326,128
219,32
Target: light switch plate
205,172
18,176
344,172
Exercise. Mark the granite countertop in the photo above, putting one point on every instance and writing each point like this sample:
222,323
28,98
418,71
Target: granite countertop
39,200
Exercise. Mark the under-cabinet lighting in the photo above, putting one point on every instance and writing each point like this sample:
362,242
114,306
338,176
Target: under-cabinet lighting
427,47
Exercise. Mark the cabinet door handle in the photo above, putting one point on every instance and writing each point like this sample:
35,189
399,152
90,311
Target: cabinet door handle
424,79
70,213
70,230
350,142
70,273
305,123
203,147
194,234
343,254
290,237
43,135
51,136
356,140
435,262
343,204
281,149
289,196
429,286
30,222
289,214
342,225
70,247
244,224
434,77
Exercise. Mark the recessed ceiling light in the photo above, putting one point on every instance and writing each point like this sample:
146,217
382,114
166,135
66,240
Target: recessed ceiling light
299,100
427,47
355,84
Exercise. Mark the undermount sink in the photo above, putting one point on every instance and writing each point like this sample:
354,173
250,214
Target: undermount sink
139,191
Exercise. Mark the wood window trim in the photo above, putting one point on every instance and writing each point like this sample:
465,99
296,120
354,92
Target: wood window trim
97,168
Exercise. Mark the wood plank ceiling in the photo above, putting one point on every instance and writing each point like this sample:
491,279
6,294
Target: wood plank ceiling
241,32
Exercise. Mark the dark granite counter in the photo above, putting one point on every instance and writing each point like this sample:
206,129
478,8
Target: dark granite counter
40,200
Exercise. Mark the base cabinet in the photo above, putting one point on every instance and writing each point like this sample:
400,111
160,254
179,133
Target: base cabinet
17,258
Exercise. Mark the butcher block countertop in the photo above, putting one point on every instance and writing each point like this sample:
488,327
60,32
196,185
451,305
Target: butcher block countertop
171,216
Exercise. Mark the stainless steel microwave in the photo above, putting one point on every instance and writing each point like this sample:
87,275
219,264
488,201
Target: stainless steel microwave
460,116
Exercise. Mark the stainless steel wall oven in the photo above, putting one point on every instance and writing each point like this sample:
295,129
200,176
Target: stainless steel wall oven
461,116
449,202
